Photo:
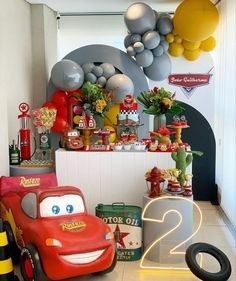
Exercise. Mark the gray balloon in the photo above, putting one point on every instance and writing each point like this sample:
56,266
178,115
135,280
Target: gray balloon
139,18
164,25
127,41
138,47
108,69
158,51
159,69
130,51
90,77
102,81
67,75
161,15
97,71
135,38
151,39
162,37
165,45
122,85
87,67
145,58
156,14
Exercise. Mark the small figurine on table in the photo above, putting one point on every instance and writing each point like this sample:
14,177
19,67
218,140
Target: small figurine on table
173,183
187,185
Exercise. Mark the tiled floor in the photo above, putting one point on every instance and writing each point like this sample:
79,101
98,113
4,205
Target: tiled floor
213,231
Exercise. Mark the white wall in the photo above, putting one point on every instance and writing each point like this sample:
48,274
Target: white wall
26,57
15,69
75,32
44,48
226,108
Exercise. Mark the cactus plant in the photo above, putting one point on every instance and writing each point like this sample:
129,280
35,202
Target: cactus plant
183,160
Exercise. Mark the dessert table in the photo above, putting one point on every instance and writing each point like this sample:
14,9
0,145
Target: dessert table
108,177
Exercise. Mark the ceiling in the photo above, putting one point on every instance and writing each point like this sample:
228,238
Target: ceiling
99,6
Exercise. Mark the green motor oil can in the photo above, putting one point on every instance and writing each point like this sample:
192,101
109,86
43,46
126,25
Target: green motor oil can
125,221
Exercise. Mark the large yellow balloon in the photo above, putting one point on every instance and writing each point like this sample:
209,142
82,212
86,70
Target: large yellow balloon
112,137
176,49
111,115
192,55
208,44
195,20
190,45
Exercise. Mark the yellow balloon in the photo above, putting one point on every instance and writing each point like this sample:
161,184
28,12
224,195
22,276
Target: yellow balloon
170,38
174,32
76,119
191,45
111,115
176,49
112,137
195,20
178,39
208,44
192,55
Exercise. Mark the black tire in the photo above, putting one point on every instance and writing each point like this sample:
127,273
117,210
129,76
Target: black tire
190,257
14,250
109,269
30,265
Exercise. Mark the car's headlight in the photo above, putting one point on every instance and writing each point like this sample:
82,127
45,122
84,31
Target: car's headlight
109,236
53,242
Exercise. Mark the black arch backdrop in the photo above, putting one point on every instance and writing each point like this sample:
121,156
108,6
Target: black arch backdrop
201,137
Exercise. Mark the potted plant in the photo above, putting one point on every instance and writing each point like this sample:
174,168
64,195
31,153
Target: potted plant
159,102
94,100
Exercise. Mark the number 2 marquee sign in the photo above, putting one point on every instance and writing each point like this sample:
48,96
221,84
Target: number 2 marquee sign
179,224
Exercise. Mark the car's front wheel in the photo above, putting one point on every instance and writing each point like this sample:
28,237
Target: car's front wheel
30,265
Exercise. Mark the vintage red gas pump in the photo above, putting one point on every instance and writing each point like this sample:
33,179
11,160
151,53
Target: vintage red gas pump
24,131
155,178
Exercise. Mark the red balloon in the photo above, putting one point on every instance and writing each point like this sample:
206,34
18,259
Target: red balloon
62,111
49,105
59,125
59,98
76,92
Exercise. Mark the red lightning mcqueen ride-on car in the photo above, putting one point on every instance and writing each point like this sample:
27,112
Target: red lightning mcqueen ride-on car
57,238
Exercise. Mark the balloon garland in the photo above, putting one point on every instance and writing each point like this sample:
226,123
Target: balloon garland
152,35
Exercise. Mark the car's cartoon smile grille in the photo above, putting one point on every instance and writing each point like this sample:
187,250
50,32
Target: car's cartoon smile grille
83,258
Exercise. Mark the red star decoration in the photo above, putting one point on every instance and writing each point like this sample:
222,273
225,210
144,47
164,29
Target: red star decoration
120,236
23,107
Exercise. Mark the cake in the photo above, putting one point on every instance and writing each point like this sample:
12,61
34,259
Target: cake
128,112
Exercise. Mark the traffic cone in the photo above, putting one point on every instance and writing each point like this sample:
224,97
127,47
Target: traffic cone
6,266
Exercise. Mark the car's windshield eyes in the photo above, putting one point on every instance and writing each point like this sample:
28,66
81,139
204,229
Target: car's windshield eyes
61,205
72,134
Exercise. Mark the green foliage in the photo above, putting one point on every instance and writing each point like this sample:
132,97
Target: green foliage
159,101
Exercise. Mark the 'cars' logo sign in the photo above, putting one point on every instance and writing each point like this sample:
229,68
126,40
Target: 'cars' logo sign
29,182
73,225
189,82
